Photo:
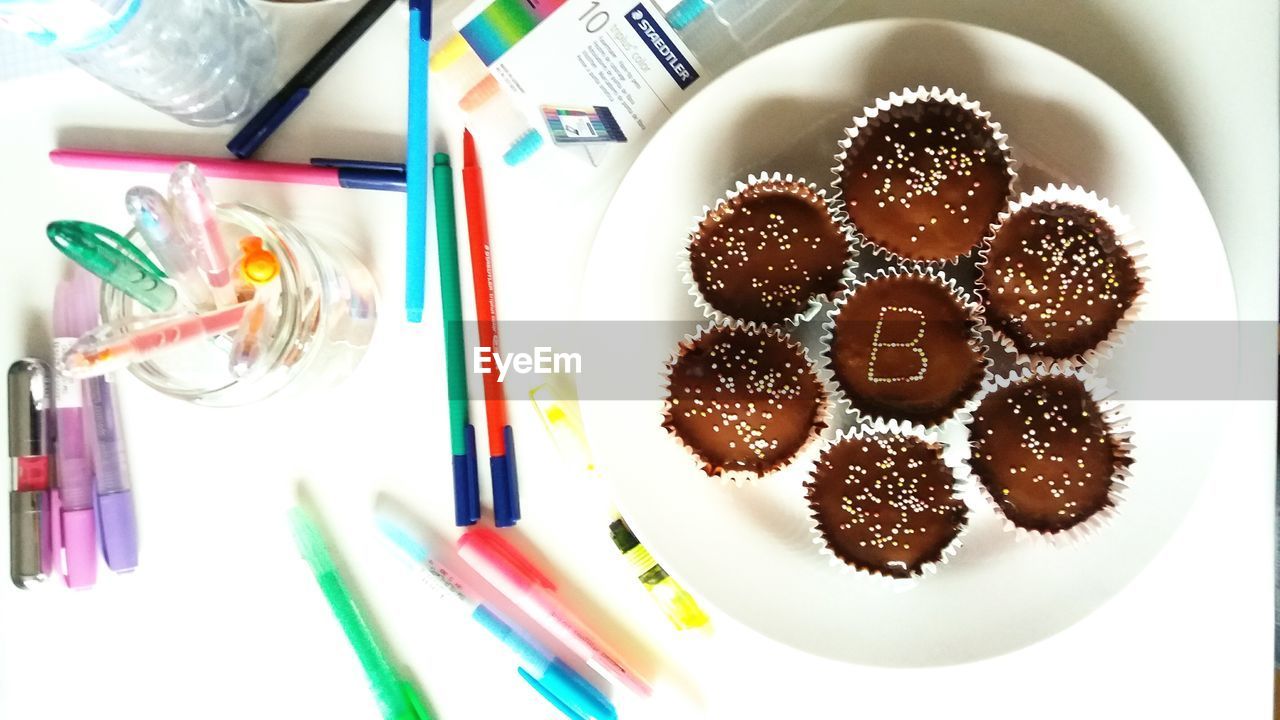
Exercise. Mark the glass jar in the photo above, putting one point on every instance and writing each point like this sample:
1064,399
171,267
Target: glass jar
316,324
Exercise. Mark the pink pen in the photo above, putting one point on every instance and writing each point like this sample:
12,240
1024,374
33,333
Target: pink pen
113,347
521,582
75,312
197,217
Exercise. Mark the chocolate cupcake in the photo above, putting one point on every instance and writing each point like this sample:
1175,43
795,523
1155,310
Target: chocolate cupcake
743,399
886,503
1059,279
924,175
770,252
1047,450
904,347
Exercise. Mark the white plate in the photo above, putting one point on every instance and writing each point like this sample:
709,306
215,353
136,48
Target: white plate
748,551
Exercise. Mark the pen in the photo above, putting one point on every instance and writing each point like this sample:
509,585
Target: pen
282,104
151,216
415,163
113,259
112,347
521,582
116,514
395,696
549,676
30,441
75,312
328,172
462,435
676,602
197,217
502,456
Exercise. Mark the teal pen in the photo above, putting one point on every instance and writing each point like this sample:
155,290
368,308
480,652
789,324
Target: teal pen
462,435
395,694
415,162
113,259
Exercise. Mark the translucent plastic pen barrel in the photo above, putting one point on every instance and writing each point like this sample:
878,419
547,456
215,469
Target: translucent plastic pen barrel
111,470
75,312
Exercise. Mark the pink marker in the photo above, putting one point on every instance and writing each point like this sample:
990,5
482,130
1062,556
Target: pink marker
197,217
521,582
354,174
75,312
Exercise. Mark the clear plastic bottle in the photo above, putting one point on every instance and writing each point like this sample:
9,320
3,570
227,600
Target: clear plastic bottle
205,62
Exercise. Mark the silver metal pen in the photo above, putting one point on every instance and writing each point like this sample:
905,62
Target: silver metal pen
30,449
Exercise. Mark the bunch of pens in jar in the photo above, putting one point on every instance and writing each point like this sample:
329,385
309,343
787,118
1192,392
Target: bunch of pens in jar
70,481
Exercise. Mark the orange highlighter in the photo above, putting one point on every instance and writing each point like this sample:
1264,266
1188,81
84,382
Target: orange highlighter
502,456
520,581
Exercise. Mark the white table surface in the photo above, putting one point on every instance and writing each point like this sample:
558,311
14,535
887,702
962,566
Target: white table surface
223,620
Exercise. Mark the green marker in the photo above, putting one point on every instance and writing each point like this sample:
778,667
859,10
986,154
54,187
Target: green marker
462,435
112,258
395,695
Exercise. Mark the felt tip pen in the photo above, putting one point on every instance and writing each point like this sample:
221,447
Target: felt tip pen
75,312
396,698
549,676
30,444
281,106
197,216
417,161
520,581
326,172
154,222
116,514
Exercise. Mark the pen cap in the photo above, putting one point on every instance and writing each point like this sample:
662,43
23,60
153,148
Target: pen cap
80,547
498,561
568,691
119,531
30,399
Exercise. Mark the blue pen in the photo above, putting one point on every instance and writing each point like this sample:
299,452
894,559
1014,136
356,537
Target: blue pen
282,104
564,688
417,161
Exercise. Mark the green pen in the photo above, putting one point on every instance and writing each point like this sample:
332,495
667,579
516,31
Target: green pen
395,695
462,434
113,259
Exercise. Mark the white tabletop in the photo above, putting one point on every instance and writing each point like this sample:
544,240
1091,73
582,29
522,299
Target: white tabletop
223,620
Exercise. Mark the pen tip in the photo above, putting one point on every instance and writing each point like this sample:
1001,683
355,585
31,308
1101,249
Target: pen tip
468,149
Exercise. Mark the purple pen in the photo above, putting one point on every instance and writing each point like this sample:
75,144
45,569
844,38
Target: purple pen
115,498
75,312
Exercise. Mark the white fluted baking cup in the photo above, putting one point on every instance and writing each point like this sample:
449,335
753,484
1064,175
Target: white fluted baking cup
845,399
1116,423
1125,237
685,264
959,490
898,100
822,424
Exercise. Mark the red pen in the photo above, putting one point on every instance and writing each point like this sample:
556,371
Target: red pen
502,457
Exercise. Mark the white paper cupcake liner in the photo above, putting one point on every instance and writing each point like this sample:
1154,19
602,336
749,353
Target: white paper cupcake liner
959,489
1116,422
823,425
685,264
883,105
885,423
1125,236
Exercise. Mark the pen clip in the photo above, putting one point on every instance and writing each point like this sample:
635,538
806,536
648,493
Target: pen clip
84,237
550,696
511,556
341,164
